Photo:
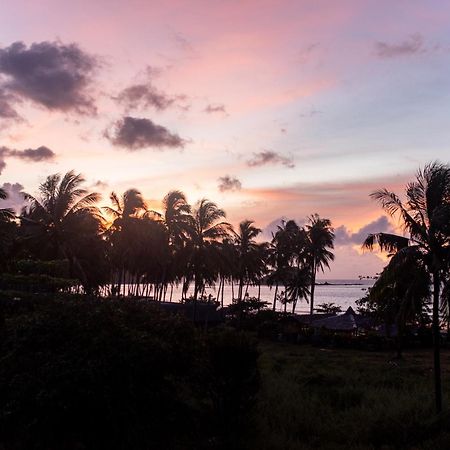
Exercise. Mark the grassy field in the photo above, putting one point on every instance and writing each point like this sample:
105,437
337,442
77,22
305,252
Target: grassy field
312,398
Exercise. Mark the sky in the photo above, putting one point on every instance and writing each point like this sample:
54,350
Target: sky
271,108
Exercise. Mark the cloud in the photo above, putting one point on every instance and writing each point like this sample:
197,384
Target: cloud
16,198
49,74
270,157
39,154
380,225
100,184
137,133
7,111
146,95
215,108
413,45
229,183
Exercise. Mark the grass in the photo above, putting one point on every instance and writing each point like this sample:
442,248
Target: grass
312,398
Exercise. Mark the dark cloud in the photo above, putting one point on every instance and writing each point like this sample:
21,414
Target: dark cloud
16,198
344,237
146,95
229,183
7,111
413,45
215,108
137,133
270,157
39,154
50,74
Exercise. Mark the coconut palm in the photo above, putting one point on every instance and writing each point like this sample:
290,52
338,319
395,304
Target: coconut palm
247,254
131,204
205,232
320,235
62,220
177,218
298,282
284,251
425,216
125,213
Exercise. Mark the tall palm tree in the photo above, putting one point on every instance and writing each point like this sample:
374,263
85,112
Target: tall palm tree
286,250
125,213
247,253
62,220
320,236
206,230
425,216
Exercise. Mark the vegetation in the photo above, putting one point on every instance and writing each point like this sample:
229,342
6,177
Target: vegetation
312,398
88,374
126,249
67,332
425,216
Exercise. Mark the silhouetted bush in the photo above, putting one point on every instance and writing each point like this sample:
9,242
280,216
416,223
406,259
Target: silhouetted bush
117,375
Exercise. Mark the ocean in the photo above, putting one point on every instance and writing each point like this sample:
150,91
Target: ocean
341,292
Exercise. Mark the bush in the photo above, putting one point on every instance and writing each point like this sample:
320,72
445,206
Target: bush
116,375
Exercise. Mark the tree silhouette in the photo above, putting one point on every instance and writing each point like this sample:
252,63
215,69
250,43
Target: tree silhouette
320,235
425,216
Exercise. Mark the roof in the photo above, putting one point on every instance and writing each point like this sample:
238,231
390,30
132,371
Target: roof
341,322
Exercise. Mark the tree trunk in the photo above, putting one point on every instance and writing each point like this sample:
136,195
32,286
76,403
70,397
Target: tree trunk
275,297
313,286
436,343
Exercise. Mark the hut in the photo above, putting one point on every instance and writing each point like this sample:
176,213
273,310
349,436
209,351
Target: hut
346,323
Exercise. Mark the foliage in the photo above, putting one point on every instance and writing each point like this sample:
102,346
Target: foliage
117,375
425,216
328,308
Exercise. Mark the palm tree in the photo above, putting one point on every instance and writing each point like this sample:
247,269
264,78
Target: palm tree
131,204
320,236
206,230
298,282
425,215
286,250
62,220
401,293
247,253
121,234
177,216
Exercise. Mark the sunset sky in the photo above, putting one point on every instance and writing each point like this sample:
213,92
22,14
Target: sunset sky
271,109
